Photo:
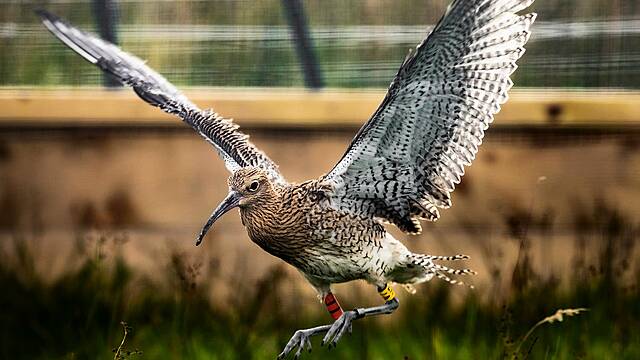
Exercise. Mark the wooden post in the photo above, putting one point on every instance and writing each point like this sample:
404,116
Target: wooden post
294,12
106,17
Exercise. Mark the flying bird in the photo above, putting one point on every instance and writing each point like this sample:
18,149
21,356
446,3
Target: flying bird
400,168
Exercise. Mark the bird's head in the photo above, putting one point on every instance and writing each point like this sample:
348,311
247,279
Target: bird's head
251,184
248,187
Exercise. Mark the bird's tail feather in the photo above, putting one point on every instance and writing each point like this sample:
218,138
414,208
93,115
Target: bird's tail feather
430,269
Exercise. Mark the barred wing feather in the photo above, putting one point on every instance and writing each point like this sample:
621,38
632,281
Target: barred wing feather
232,145
406,160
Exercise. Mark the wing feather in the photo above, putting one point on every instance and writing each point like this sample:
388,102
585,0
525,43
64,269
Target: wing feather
434,116
231,144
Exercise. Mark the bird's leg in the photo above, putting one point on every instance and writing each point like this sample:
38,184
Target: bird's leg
333,307
343,323
301,338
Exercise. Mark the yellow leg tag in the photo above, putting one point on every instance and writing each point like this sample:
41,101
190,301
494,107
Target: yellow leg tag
387,294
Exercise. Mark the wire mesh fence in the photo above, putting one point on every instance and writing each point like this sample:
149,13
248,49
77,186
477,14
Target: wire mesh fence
359,43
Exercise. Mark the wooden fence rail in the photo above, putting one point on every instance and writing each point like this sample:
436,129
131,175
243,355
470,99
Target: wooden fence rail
268,107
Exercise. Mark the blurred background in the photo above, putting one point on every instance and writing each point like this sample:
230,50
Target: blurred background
101,195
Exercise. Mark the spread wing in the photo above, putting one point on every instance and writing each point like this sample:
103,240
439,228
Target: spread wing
232,145
406,160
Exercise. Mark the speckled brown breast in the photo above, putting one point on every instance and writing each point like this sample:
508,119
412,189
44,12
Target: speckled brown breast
327,245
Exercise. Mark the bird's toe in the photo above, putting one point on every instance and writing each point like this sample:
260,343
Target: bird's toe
299,340
338,329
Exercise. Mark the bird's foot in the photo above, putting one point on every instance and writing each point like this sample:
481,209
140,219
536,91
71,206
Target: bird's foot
301,340
340,327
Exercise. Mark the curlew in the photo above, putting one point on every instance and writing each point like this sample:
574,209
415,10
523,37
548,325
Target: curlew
399,169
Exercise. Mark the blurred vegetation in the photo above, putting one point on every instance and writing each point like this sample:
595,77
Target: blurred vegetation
575,43
79,315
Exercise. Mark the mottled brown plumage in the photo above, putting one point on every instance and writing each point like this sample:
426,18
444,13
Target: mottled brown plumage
399,169
297,223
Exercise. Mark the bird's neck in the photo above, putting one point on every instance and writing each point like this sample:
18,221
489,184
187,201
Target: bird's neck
261,218
279,222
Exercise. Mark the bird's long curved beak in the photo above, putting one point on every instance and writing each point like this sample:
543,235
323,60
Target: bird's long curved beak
232,200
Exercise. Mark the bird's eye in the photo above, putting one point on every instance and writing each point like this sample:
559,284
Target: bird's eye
253,187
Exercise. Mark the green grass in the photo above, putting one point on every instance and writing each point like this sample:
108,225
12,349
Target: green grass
79,315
